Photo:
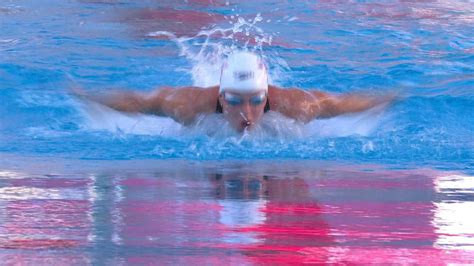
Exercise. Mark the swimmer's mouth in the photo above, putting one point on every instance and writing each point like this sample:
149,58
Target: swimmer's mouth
246,124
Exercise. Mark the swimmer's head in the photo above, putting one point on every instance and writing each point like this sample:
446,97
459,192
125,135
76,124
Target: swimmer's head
243,90
243,72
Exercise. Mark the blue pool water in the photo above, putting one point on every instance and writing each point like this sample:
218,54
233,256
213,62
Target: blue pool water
423,50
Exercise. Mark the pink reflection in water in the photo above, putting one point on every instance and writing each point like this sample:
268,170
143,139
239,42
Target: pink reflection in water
178,22
241,216
43,220
188,22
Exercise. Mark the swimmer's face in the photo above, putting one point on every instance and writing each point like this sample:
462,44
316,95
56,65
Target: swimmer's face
243,110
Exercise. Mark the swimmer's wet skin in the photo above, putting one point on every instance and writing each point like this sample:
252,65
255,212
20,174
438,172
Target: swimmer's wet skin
243,97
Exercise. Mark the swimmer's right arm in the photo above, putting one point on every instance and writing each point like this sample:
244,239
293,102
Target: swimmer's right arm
181,104
124,101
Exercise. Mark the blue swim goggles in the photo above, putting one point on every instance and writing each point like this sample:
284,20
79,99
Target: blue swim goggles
235,100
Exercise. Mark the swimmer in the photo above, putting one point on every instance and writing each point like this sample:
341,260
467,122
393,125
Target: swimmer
242,97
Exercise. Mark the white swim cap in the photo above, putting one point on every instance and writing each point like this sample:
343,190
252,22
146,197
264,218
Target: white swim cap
244,72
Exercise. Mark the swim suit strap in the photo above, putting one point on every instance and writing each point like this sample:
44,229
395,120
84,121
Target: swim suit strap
219,107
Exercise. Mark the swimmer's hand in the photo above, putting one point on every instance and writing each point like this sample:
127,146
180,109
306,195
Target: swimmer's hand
389,98
78,93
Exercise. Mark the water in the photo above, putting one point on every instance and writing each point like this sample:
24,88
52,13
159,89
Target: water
81,183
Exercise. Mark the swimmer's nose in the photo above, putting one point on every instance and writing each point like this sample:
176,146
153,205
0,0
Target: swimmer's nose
247,111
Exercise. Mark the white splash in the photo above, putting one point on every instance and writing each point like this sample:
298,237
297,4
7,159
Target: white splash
99,117
362,124
208,48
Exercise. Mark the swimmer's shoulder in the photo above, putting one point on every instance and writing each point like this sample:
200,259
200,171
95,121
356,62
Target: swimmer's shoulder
190,99
295,95
278,92
280,97
183,104
203,99
190,90
294,102
212,91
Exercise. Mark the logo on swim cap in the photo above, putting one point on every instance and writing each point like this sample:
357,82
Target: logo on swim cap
244,72
244,75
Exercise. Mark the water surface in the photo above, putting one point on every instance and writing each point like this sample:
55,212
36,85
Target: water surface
240,212
82,184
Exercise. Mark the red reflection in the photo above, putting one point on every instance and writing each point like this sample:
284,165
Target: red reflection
168,222
234,218
255,219
291,221
43,224
47,182
189,22
44,214
178,22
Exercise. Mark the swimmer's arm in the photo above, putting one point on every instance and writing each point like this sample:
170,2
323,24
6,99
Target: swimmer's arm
184,104
334,105
181,104
123,101
305,105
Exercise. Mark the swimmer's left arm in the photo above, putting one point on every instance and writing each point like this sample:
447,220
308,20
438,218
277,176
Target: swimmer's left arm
305,106
334,105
